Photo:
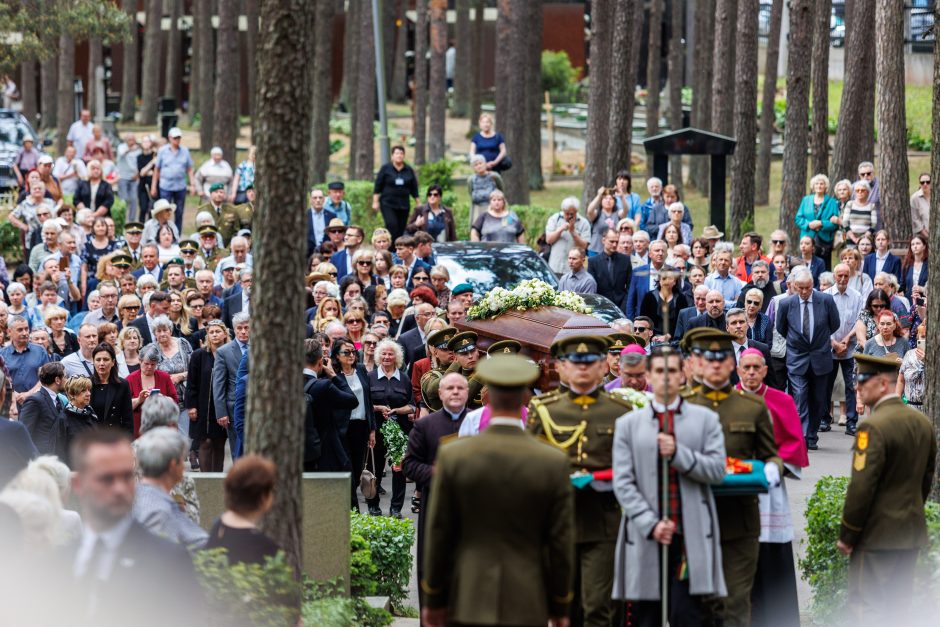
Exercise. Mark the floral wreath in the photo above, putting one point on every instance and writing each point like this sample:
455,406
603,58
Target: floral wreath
529,294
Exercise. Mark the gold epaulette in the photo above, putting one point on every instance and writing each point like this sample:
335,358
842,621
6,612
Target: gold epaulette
619,400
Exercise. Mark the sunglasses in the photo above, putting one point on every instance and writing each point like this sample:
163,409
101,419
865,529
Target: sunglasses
364,262
753,302
354,321
779,241
131,307
420,279
200,306
865,173
347,353
369,343
925,182
877,306
641,329
434,194
332,273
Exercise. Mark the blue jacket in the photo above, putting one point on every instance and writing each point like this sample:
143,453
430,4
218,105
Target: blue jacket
806,213
907,281
312,242
892,265
241,402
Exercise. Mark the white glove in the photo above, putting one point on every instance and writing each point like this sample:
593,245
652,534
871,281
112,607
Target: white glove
772,474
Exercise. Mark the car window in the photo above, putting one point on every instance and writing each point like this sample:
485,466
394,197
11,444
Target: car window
484,271
12,131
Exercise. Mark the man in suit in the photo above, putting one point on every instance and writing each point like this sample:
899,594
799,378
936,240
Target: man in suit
116,558
41,413
612,271
883,524
149,263
16,447
159,305
414,342
736,321
324,392
646,278
342,259
317,220
697,309
513,534
714,316
239,302
224,374
807,321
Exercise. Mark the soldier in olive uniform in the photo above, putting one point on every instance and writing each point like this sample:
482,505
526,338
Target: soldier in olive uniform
466,354
189,250
174,277
618,341
504,347
227,219
209,248
748,430
883,523
580,421
246,210
441,359
121,261
133,233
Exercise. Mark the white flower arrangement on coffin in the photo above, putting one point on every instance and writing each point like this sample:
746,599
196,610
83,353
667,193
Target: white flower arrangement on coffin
634,397
529,294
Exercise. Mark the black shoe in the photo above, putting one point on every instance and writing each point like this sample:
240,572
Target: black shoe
381,490
824,428
850,431
812,447
375,510
194,460
395,514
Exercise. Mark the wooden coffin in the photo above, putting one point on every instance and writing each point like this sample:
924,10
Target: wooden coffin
536,329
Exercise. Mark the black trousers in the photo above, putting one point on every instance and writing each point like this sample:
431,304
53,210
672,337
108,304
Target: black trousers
395,221
774,601
211,453
684,608
778,369
357,445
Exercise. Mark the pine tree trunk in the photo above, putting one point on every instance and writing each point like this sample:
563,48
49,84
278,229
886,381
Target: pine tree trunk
702,85
421,81
797,133
275,419
745,121
28,93
251,56
599,128
388,16
892,130
724,62
174,54
437,91
767,115
322,84
48,83
819,137
511,46
627,19
206,84
654,59
476,66
150,88
365,99
350,95
932,357
533,95
129,71
677,10
852,143
225,122
463,50
91,89
64,107
399,77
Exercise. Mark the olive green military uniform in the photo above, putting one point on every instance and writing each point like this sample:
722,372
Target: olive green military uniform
246,212
462,343
893,464
431,380
135,264
582,425
748,430
228,219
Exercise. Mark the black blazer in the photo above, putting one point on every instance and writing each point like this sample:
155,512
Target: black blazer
199,397
119,412
414,347
682,321
763,348
44,423
328,396
231,306
652,308
342,417
392,392
613,286
16,449
104,195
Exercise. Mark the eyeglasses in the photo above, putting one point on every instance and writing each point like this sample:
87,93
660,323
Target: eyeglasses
364,262
753,302
347,353
434,194
925,182
779,241
877,306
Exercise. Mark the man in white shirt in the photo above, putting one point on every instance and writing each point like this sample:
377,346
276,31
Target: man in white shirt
849,302
563,231
126,166
79,363
81,132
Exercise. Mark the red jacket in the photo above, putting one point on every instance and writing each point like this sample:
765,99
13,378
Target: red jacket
740,269
162,381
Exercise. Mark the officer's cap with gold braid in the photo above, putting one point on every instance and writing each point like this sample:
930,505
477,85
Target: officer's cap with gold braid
503,347
712,344
619,341
869,366
133,227
685,344
122,260
463,342
507,371
440,338
581,348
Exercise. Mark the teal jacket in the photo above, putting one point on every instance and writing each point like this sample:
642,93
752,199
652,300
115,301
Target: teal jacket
807,213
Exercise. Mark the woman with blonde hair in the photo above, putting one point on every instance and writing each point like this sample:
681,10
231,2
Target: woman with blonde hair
381,239
128,308
398,277
329,308
179,313
355,323
491,144
328,269
128,350
63,340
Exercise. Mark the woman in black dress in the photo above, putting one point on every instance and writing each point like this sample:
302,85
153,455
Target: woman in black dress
110,394
391,394
360,429
207,435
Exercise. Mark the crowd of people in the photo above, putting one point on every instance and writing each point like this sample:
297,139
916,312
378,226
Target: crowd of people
128,353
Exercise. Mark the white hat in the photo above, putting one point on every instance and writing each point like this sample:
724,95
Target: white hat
175,132
162,205
215,149
28,138
44,159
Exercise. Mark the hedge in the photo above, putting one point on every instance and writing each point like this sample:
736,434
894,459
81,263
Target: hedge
389,541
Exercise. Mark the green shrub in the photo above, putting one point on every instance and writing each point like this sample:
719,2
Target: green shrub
334,611
389,541
264,594
326,603
559,78
437,172
362,569
11,245
826,570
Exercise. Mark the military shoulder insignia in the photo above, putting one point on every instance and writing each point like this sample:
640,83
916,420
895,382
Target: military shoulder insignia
858,461
861,440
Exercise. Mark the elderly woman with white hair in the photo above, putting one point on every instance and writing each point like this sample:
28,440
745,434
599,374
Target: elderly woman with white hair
173,355
481,184
395,304
214,170
860,215
47,477
818,217
161,454
392,399
96,193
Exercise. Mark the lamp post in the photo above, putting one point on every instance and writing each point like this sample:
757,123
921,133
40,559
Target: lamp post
380,81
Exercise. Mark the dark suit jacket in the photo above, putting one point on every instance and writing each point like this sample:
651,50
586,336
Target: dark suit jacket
892,265
328,395
232,306
312,242
704,320
342,417
43,421
763,348
682,322
413,346
117,399
340,260
805,356
423,442
227,359
907,281
639,287
614,286
104,196
199,396
16,449
139,272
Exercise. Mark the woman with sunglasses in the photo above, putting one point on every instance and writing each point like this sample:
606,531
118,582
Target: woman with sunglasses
364,266
433,217
369,341
865,326
360,430
208,436
355,327
920,205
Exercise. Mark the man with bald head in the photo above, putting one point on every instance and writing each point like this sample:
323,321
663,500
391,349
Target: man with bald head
697,309
714,316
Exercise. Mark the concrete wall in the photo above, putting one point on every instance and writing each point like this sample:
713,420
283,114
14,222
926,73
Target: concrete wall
325,519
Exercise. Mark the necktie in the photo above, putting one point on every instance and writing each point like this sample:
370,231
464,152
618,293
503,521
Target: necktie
244,348
741,350
58,404
806,331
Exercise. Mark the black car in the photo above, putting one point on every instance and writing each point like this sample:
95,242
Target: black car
486,265
13,128
603,308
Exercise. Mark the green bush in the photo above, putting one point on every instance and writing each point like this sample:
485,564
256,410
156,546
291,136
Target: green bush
11,246
826,570
326,603
437,172
389,541
362,569
264,594
559,78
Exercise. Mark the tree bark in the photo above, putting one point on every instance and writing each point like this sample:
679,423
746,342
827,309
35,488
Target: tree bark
351,52
892,130
437,91
932,357
150,88
399,77
64,113
819,138
511,47
654,59
600,131
533,95
174,54
129,71
724,63
463,50
275,419
365,100
796,138
702,85
745,121
675,65
251,56
389,31
624,49
767,116
854,133
476,66
323,85
206,86
94,60
28,92
421,80
48,81
225,117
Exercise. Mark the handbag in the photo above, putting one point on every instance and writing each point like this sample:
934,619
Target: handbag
367,482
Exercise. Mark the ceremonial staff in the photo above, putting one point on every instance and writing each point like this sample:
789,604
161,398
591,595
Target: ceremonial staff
664,477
